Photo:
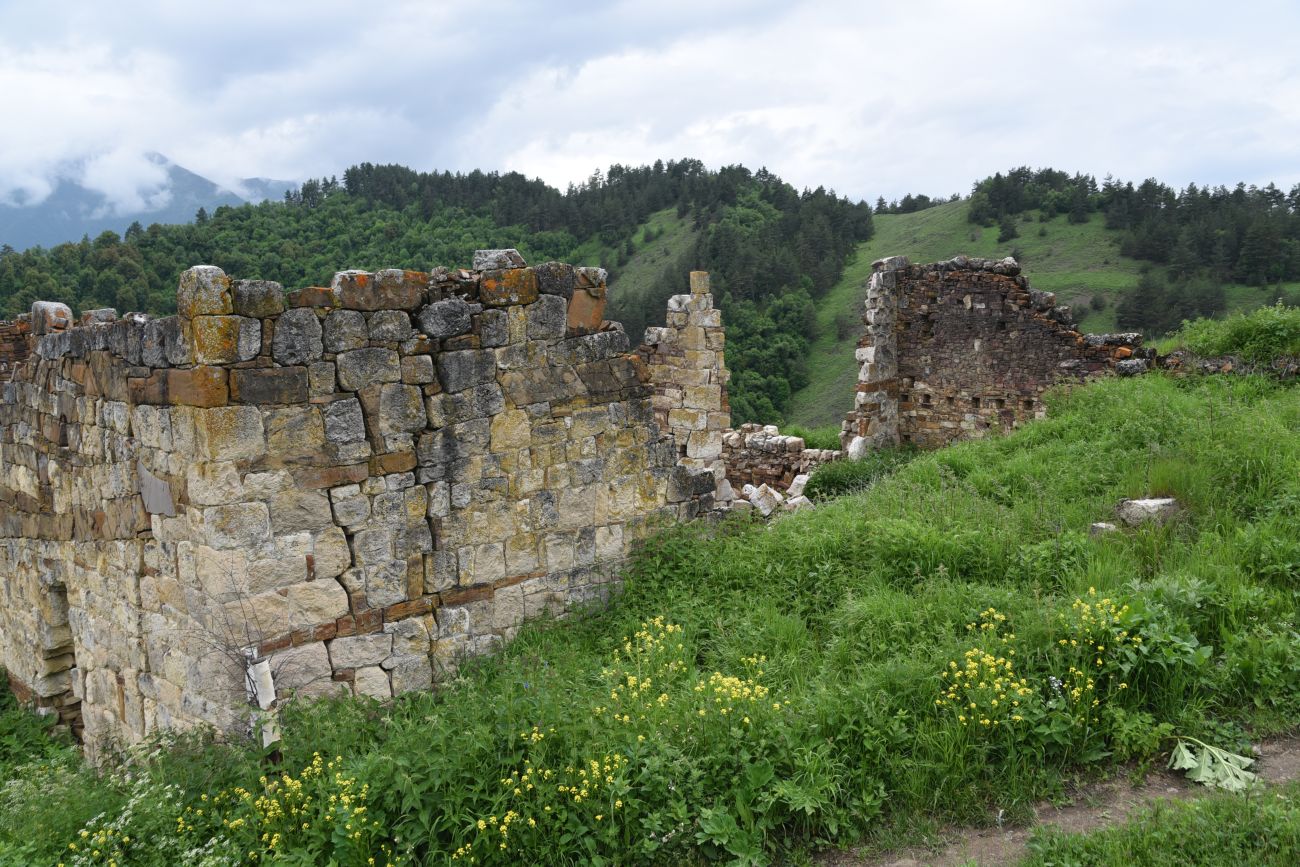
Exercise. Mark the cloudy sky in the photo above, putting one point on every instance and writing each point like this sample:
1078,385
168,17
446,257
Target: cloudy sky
870,97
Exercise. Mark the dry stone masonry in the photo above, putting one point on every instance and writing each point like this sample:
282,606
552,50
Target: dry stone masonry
962,347
352,487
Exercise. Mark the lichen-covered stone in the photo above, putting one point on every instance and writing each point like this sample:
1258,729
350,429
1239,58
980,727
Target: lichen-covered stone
490,259
204,290
443,319
297,337
344,422
259,299
458,371
507,288
362,367
344,330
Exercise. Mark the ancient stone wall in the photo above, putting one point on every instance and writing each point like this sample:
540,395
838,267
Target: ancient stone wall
958,348
757,454
359,484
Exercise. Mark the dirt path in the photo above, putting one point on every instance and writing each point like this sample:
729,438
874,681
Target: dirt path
1094,806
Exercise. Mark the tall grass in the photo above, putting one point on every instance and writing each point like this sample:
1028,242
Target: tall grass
831,639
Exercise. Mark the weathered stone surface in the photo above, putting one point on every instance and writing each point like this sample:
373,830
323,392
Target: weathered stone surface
547,318
198,386
401,409
389,325
344,422
443,319
344,330
259,299
362,367
372,681
556,278
239,525
269,385
358,651
458,371
230,433
204,290
586,310
226,339
1155,510
491,259
506,288
297,337
49,317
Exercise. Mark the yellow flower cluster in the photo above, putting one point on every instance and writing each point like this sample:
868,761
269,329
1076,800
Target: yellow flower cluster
1095,629
983,689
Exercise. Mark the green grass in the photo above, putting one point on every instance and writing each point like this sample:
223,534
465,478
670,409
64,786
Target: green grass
1257,828
825,636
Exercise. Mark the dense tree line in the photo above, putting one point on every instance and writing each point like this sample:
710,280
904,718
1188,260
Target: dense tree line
1205,237
772,248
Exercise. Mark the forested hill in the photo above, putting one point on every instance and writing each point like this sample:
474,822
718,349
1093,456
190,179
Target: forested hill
772,249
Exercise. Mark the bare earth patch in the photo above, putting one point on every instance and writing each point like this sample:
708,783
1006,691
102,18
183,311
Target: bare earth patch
1094,807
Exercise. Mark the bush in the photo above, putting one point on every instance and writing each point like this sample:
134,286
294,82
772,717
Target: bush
1259,336
845,476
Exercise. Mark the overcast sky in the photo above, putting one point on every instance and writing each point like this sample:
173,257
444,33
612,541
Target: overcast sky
870,98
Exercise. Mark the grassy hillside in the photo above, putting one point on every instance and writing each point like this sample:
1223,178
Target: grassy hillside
948,646
629,289
1076,261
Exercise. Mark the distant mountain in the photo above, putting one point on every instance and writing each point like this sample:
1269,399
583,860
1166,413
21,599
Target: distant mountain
73,210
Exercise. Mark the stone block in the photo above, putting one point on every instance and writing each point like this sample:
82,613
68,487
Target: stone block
230,433
390,289
1156,510
547,318
359,651
389,326
297,337
372,682
259,299
237,526
410,673
364,367
269,385
295,511
508,288
586,310
204,290
198,386
418,369
443,319
401,409
496,259
305,672
511,430
467,368
344,330
344,422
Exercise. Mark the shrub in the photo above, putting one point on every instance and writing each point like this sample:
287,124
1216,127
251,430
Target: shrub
1259,336
846,476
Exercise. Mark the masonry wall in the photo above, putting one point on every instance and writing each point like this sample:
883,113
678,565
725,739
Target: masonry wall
361,483
757,454
958,348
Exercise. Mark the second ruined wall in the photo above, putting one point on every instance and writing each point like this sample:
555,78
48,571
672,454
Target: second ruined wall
958,348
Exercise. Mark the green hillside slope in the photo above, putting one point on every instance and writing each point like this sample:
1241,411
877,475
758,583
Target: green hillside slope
1079,262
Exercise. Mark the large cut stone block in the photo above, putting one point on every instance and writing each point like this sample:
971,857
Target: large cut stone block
269,385
362,367
507,288
344,330
297,337
260,299
586,310
230,433
449,318
204,290
226,339
198,386
344,422
467,368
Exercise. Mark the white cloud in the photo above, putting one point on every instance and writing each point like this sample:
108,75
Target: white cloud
868,98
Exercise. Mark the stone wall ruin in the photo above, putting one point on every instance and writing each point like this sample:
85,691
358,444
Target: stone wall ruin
959,348
358,484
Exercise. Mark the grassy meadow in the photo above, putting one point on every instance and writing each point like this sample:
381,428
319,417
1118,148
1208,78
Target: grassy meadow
945,644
